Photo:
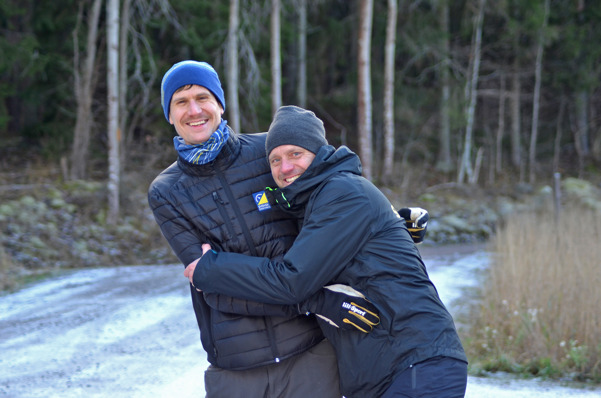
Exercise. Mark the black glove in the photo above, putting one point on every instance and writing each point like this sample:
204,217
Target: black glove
416,219
343,307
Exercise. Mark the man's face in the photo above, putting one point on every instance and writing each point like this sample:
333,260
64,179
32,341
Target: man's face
195,113
288,162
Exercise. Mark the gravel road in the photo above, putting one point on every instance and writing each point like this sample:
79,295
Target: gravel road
130,332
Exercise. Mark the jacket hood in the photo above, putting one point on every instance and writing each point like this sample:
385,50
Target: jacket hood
328,162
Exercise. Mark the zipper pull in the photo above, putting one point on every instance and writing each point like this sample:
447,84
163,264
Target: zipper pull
217,199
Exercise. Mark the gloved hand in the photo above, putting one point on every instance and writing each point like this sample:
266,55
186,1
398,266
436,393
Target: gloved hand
416,219
343,307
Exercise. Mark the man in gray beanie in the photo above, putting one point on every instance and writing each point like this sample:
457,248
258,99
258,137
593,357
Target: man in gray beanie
293,139
351,239
294,126
214,192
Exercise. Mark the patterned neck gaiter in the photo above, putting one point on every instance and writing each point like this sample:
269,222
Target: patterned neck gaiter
205,152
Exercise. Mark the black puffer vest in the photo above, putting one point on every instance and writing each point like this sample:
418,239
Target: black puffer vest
217,203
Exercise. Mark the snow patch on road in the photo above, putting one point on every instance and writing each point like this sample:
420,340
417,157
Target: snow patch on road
130,332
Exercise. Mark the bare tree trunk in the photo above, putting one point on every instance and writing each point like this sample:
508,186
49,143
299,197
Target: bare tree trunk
536,99
364,86
301,88
112,43
558,134
123,49
84,89
471,93
516,127
444,162
581,132
276,60
580,127
233,103
389,91
595,130
500,126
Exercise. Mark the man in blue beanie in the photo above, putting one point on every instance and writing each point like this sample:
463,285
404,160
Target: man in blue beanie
214,193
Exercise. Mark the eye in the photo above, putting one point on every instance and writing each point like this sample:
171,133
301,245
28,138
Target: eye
274,161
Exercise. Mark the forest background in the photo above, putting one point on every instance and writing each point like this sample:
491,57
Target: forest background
480,111
478,91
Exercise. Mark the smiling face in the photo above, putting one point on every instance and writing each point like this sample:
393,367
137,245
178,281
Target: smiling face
195,113
288,162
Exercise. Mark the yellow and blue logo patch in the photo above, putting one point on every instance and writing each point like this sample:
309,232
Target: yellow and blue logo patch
261,201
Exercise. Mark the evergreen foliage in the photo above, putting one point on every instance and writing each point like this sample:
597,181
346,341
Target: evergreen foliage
37,102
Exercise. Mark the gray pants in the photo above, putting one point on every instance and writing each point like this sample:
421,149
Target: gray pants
314,373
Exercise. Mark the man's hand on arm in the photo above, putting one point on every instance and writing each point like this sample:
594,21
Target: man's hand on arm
343,307
189,271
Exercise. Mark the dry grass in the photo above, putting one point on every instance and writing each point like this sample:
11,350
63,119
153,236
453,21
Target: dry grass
540,313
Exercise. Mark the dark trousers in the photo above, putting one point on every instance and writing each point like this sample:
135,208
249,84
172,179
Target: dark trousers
314,373
440,377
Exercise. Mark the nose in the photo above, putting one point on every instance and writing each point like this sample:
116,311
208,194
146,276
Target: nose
286,166
194,108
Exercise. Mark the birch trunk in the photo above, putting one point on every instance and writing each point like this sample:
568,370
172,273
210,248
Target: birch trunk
233,102
391,21
465,168
516,105
123,50
364,87
112,43
500,126
444,162
536,99
302,54
276,62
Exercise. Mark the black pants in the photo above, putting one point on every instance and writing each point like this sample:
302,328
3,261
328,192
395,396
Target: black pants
434,378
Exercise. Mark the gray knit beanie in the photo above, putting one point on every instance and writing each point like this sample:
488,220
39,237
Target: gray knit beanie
295,126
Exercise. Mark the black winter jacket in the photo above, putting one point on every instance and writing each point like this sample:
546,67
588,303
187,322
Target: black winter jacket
215,203
351,235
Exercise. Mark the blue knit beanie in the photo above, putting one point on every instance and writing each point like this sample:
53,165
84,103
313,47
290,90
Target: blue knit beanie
190,72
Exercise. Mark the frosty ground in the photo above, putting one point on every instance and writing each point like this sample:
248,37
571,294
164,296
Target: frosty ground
131,332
